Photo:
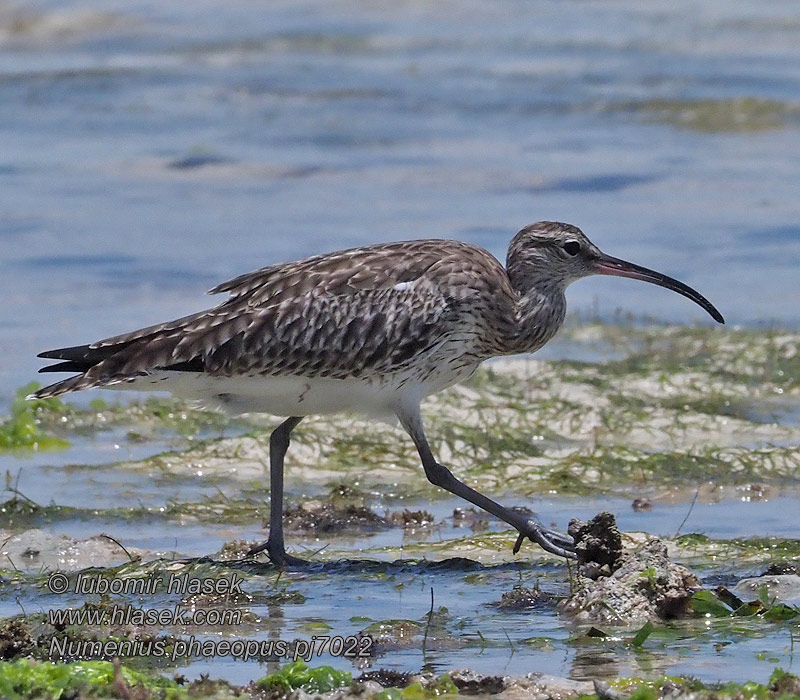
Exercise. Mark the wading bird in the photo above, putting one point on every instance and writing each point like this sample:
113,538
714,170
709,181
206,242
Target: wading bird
371,330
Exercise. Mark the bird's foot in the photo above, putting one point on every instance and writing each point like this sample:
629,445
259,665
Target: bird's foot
277,555
549,540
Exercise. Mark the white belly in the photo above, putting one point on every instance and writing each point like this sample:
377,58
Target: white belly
297,396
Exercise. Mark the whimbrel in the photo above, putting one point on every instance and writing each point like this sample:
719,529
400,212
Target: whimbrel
372,330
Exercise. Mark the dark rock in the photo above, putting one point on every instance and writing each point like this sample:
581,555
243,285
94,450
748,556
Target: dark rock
782,567
315,517
387,678
730,599
15,639
236,550
470,517
598,543
522,598
641,505
471,682
411,518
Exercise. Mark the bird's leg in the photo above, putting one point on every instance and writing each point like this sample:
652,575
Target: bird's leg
278,445
439,475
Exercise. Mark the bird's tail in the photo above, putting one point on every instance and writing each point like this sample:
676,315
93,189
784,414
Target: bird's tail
82,359
109,363
81,381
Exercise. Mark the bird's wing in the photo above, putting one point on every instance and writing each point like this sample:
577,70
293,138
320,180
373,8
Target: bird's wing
325,334
344,314
369,268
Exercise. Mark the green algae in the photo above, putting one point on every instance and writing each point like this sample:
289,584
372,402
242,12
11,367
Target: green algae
147,418
24,678
20,512
707,115
396,629
297,674
750,549
441,687
42,424
711,604
173,414
697,549
781,686
22,430
151,416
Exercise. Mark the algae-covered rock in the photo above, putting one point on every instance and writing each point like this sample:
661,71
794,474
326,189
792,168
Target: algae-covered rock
628,586
543,686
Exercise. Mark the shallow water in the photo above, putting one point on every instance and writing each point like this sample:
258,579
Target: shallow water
150,150
376,578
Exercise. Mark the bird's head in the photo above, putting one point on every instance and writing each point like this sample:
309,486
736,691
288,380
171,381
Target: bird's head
550,253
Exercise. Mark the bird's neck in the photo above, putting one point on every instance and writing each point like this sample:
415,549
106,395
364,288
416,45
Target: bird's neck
539,313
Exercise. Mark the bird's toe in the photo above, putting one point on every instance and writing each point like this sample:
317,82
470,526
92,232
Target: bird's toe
549,540
277,555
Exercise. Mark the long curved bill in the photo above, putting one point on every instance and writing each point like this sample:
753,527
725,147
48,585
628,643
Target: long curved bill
606,265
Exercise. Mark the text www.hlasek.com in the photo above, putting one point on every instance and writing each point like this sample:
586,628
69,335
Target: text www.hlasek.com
128,615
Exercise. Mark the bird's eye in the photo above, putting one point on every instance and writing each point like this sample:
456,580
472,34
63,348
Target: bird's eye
572,247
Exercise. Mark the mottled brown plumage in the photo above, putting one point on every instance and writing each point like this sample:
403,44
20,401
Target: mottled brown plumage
371,329
362,312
